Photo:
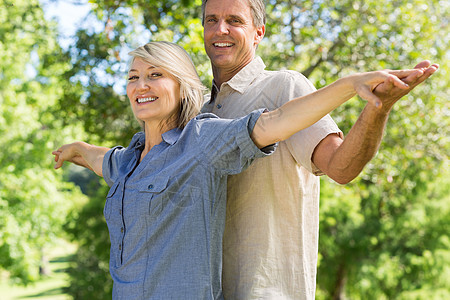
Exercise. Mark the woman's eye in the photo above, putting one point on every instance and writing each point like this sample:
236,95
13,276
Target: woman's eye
156,75
133,77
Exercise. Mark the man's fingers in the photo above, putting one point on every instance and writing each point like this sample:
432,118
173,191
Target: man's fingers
415,79
431,69
423,64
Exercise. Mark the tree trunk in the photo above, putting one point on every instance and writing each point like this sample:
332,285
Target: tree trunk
43,265
338,291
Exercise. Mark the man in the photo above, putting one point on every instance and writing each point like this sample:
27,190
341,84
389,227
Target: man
271,236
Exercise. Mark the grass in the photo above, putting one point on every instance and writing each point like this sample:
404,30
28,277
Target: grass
49,287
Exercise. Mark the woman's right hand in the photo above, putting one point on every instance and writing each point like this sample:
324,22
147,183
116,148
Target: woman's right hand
82,154
68,152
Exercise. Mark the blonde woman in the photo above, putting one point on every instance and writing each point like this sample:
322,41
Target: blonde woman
166,207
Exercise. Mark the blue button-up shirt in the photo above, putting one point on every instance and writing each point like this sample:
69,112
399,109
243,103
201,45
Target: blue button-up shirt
166,214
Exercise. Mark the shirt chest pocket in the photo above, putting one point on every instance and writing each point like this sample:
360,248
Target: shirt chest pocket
165,194
153,190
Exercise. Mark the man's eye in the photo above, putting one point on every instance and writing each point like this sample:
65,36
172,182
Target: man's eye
210,20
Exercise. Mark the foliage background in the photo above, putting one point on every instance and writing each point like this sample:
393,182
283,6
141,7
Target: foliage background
384,236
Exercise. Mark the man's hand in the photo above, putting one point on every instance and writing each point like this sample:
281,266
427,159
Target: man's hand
389,93
343,160
365,83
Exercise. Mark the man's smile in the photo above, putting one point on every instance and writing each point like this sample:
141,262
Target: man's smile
222,45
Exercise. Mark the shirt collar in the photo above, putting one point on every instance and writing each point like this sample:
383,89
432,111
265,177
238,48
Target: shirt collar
171,136
214,90
139,141
242,80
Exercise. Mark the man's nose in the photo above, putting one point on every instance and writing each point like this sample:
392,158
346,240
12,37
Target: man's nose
222,27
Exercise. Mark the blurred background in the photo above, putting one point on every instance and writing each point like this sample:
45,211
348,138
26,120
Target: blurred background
62,78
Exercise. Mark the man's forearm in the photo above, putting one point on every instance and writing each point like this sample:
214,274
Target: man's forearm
360,145
343,160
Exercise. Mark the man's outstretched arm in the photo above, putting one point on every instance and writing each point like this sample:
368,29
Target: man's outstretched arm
343,160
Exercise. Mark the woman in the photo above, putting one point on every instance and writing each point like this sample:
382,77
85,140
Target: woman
166,207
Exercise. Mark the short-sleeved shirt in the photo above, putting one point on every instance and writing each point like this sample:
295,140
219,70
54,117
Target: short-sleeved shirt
272,224
166,214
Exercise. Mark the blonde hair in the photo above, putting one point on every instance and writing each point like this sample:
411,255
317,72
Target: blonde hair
175,60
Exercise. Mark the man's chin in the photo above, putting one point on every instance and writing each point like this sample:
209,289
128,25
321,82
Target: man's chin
221,62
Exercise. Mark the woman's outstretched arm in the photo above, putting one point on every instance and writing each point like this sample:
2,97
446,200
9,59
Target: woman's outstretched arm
82,154
302,112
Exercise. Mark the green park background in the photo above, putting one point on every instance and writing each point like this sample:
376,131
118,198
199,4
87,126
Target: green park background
383,236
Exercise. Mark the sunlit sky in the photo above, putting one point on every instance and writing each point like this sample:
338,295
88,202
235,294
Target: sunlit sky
68,13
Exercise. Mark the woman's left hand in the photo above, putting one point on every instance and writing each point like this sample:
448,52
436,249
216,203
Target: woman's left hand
365,83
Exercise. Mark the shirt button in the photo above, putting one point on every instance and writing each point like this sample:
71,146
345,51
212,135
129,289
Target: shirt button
150,186
219,106
120,212
120,247
121,230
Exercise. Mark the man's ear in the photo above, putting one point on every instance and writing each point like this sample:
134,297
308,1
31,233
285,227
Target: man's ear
259,34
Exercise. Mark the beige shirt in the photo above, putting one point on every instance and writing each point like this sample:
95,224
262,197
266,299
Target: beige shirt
271,233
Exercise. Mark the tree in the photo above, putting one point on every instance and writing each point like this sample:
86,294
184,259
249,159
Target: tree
377,239
89,273
34,200
95,91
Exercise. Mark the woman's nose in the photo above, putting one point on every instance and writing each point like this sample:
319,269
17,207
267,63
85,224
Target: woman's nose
143,84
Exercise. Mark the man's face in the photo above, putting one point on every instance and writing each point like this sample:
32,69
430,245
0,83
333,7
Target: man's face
229,34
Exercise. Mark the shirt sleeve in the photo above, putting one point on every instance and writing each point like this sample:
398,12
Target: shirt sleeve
111,163
302,144
229,147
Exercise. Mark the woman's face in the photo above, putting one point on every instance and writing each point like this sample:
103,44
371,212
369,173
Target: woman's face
154,94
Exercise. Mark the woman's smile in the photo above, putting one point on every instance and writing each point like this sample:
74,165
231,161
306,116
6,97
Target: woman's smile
154,94
146,99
